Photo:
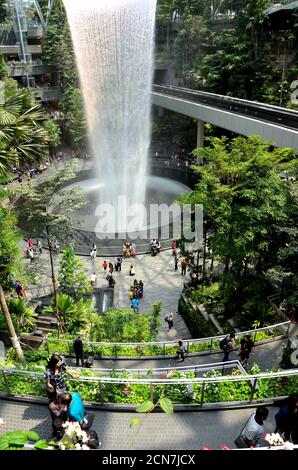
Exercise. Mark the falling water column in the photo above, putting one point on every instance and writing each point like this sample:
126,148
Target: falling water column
113,41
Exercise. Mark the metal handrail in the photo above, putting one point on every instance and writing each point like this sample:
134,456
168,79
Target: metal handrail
166,381
159,370
172,343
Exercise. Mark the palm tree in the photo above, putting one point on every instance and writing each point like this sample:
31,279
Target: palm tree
23,137
23,316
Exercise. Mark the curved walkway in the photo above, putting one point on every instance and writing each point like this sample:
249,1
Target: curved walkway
182,430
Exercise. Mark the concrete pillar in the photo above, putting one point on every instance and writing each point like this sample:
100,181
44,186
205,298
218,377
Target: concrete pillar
200,134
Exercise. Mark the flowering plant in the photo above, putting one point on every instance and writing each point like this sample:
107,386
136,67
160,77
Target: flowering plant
274,439
74,437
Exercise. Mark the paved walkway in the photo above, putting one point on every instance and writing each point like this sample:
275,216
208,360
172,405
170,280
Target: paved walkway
161,283
182,430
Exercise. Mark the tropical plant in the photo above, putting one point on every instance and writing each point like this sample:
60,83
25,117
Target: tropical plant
73,315
23,316
23,138
73,278
44,203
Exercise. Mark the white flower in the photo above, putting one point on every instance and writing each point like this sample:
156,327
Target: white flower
84,447
78,446
85,437
61,445
289,445
2,421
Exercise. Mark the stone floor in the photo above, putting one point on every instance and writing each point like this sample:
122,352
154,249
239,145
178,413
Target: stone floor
182,430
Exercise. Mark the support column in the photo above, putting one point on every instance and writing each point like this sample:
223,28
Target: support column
200,133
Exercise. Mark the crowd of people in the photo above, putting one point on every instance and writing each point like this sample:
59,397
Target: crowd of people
129,250
64,405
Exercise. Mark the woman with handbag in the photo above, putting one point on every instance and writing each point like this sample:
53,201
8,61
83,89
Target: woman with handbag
56,385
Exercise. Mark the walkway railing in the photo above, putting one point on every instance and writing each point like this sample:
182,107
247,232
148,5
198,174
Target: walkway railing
165,348
186,390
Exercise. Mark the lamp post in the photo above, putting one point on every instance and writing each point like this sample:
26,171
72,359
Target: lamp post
53,281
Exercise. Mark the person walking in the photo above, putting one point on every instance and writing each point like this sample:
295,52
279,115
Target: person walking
170,320
287,418
181,350
112,282
184,264
226,345
246,345
39,246
111,268
135,303
174,246
105,266
94,248
78,350
93,279
253,429
176,262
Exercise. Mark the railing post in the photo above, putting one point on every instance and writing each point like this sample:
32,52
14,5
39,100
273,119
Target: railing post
151,392
253,390
255,334
202,393
115,351
211,345
164,349
6,382
288,329
101,393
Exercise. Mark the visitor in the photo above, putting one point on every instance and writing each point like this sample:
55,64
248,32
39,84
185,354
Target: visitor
94,248
132,271
76,411
55,369
111,268
141,289
174,247
118,263
31,255
253,429
176,262
226,345
181,350
287,417
170,320
246,345
158,246
131,292
39,246
105,265
294,314
30,244
58,411
135,304
78,350
92,254
112,282
184,264
93,279
133,250
20,290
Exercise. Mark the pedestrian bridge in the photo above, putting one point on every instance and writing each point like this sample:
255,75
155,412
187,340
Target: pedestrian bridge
273,123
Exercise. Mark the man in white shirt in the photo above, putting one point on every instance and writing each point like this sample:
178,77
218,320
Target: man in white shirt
254,429
93,279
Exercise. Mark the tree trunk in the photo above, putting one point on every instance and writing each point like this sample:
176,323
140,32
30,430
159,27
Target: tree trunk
12,334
